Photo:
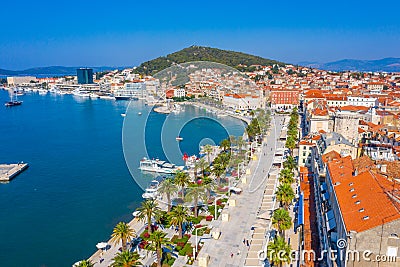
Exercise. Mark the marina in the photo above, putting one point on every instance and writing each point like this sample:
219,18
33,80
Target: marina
70,200
10,171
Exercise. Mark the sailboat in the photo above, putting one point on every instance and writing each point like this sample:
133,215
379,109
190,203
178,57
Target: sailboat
13,100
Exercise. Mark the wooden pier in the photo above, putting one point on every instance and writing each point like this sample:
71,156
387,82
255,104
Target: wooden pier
10,171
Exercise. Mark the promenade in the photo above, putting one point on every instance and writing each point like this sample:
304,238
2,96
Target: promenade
10,171
244,214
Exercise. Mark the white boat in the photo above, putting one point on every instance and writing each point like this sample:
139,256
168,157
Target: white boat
123,115
107,97
158,166
80,93
139,113
94,96
42,92
178,138
151,191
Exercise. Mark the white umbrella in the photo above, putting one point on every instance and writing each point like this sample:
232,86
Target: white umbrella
101,245
76,263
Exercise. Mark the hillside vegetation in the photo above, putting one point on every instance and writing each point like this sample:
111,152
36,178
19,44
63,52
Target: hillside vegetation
238,60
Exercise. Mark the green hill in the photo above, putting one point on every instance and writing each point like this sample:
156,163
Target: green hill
200,53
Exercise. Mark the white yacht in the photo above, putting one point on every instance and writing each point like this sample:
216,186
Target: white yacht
81,93
151,191
158,166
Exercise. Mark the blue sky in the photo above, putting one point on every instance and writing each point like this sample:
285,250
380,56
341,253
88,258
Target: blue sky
126,33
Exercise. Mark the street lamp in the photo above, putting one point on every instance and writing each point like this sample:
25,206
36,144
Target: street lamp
246,154
215,205
251,147
195,255
241,163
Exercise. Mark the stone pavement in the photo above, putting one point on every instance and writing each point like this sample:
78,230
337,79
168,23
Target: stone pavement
243,216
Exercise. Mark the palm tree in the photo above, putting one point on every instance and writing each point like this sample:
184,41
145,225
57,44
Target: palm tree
195,193
290,143
168,188
85,263
285,195
203,164
224,158
178,216
208,149
225,144
290,163
209,185
232,140
278,251
148,209
126,259
157,241
286,176
281,220
182,179
218,170
241,143
122,233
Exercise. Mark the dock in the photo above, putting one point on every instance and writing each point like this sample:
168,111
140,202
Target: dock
10,171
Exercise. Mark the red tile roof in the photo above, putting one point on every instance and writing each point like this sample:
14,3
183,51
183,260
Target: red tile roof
374,206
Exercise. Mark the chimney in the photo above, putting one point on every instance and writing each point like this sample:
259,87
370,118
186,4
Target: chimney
383,168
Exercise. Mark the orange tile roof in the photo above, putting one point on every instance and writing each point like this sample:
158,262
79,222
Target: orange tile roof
364,188
330,156
354,108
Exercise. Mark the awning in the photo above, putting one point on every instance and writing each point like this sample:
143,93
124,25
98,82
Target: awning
331,225
325,196
324,187
300,211
329,215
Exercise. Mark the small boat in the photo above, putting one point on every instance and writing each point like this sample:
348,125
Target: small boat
139,113
151,191
178,138
123,115
13,100
158,166
13,103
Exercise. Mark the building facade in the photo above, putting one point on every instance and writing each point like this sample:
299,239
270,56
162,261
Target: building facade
85,75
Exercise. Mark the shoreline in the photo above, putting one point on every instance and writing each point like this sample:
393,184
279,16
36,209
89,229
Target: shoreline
208,107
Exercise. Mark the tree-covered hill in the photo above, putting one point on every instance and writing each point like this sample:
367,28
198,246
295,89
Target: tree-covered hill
234,59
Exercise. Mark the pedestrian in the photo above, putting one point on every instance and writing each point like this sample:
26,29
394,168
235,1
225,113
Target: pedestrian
231,254
247,242
238,252
244,241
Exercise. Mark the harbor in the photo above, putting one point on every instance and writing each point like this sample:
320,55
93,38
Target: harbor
10,171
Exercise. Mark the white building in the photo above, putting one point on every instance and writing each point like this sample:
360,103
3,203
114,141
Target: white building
243,102
179,92
362,101
20,80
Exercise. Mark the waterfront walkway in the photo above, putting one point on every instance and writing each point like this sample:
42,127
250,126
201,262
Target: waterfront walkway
10,171
229,249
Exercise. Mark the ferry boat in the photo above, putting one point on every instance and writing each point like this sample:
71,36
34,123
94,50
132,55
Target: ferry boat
158,166
151,191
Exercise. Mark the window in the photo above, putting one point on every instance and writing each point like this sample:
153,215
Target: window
391,251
